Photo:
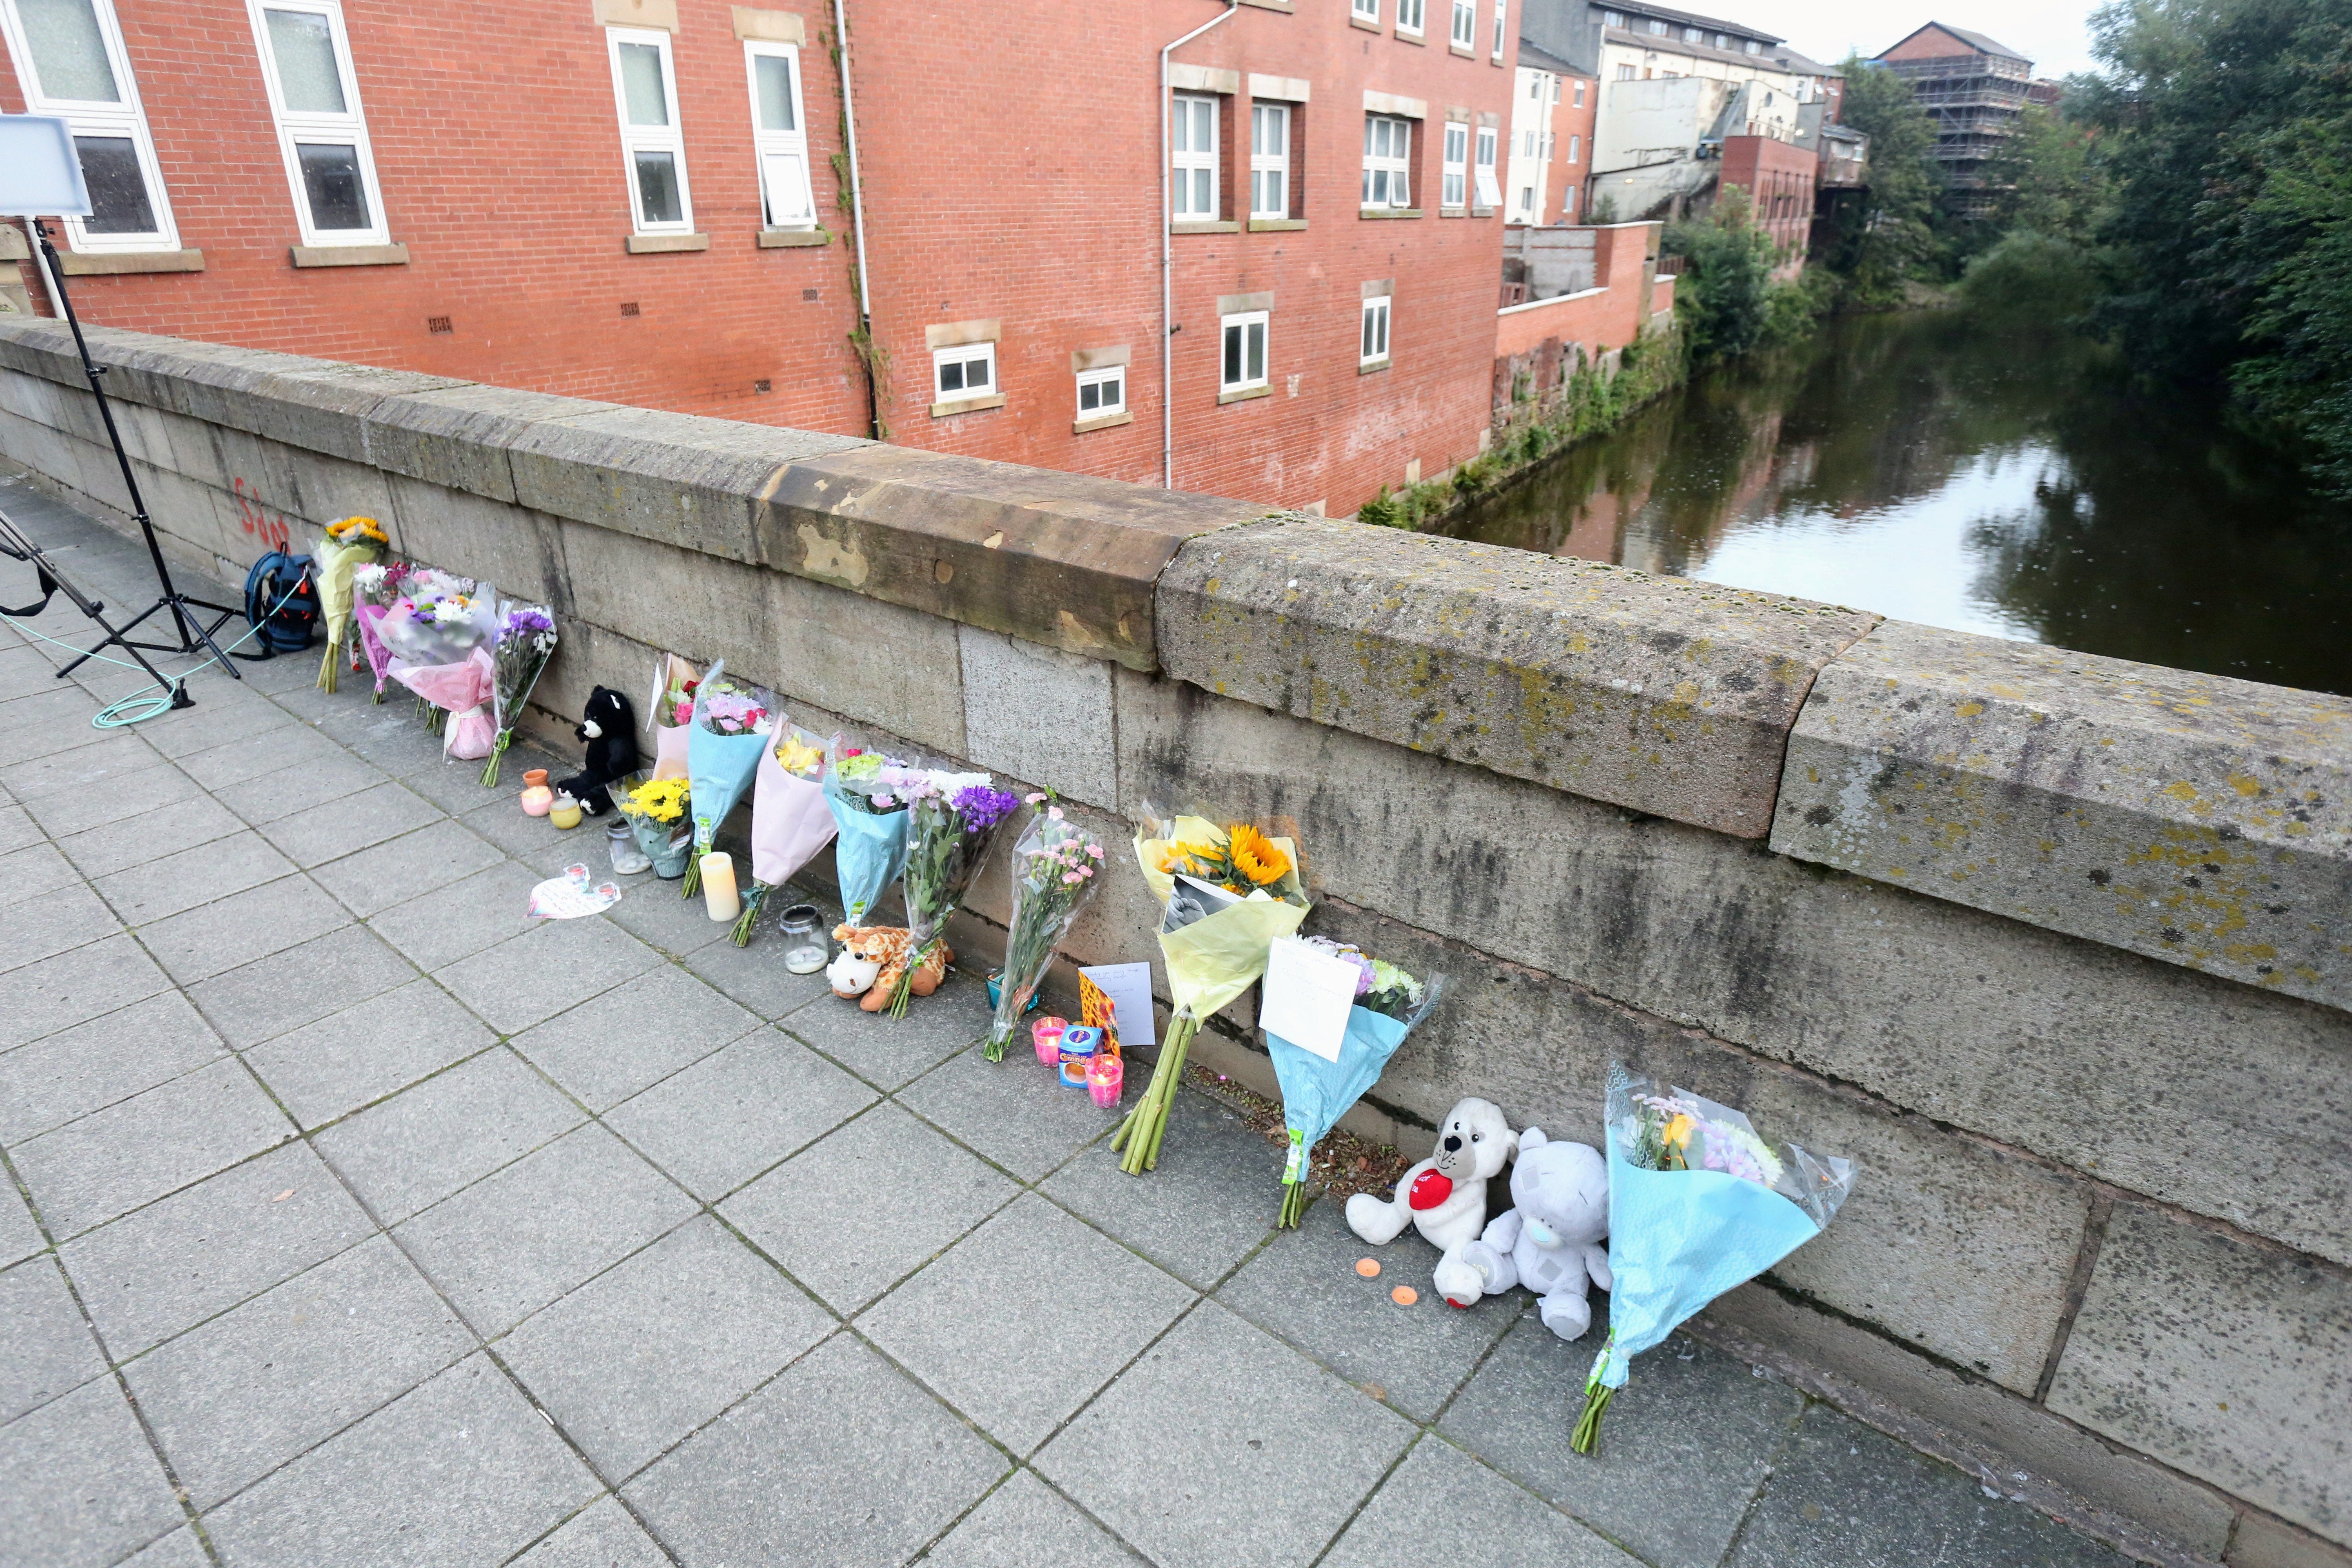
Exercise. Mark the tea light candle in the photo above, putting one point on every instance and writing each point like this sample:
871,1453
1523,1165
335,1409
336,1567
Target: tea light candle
1047,1034
718,886
1106,1077
564,811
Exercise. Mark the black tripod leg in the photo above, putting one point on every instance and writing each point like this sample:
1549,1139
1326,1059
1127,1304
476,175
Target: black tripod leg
220,655
116,638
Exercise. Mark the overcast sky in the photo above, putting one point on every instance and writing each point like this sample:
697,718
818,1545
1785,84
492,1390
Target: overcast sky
2053,34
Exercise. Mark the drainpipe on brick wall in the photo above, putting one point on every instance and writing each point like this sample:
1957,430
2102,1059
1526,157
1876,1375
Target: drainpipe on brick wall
1168,266
857,222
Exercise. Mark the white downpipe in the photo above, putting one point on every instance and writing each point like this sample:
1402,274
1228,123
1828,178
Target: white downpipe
857,208
1167,263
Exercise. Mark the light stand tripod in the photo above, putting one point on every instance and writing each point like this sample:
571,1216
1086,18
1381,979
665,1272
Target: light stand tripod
186,617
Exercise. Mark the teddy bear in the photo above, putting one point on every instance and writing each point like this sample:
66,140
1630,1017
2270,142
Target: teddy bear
1444,1196
871,960
610,727
1550,1239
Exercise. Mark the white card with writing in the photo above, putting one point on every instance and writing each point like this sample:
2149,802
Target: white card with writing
1306,996
1129,986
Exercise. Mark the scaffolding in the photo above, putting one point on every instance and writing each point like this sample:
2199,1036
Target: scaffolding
1974,99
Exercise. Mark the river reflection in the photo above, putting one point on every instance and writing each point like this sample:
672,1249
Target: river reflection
1985,475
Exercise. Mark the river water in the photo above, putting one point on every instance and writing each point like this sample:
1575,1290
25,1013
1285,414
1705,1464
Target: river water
1982,474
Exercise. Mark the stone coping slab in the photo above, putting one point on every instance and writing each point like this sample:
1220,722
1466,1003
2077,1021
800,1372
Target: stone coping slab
2195,818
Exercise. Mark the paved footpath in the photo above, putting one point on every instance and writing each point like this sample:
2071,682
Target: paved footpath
351,1219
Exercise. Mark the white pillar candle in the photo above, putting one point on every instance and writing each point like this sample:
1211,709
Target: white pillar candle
718,886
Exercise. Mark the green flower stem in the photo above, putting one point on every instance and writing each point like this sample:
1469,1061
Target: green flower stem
1587,1436
754,897
1147,1124
498,750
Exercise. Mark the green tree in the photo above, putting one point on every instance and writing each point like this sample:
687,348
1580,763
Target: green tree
1880,236
2047,178
1723,298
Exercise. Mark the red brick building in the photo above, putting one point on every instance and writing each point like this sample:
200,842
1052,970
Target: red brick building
647,201
1778,179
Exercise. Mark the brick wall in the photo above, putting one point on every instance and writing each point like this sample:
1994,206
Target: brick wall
1565,198
1779,180
1011,160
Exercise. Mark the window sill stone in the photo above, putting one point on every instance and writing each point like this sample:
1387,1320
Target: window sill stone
1246,393
1370,367
343,256
1102,422
1454,212
967,405
85,264
1355,21
1404,38
1482,212
1206,226
1270,4
662,244
1276,225
787,239
1388,212
1454,48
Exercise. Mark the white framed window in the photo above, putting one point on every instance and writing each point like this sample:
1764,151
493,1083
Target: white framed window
1192,158
1690,35
1242,363
1579,97
968,370
780,134
1102,393
1535,84
1612,18
1722,42
644,91
306,59
1455,189
1527,200
1373,345
1754,47
1269,160
1489,188
1499,5
71,62
1466,23
1658,28
1410,15
1387,161
1369,10
1625,73
1575,146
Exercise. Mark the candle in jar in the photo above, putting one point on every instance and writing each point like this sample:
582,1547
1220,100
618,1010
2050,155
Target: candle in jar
564,811
1047,1034
718,886
1105,1074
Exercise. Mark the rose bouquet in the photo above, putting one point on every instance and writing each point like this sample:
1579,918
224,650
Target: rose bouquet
1316,1093
1698,1203
656,813
871,849
728,730
526,641
952,820
669,714
439,634
790,818
1054,865
341,550
375,588
1225,894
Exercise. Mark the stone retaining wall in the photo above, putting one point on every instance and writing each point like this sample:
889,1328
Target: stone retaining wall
2059,949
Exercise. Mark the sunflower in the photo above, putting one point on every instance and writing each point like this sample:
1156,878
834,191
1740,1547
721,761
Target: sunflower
1192,859
1256,856
357,528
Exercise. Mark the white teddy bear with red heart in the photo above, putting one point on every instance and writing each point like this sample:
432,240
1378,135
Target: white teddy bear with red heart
1444,1196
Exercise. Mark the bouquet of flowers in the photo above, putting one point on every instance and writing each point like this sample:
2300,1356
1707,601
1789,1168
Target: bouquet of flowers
656,813
1054,863
1698,1203
526,641
951,819
1315,1093
729,732
871,849
439,634
1226,894
791,820
669,714
376,588
341,550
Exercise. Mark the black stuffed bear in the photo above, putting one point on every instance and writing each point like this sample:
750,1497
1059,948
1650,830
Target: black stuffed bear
610,728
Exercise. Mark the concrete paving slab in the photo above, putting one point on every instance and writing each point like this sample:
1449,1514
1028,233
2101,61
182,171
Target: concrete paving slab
841,1460
46,1349
181,1549
92,1065
172,883
263,999
968,1324
35,869
1211,1199
882,1049
352,1059
112,1161
235,1397
733,1114
647,1351
53,923
530,978
72,987
866,1206
495,1476
1417,1517
312,781
1016,1112
339,826
651,910
241,928
1024,1524
175,1263
1259,1456
155,789
602,1535
634,1036
754,976
116,845
431,857
80,1488
283,746
446,922
416,1148
19,1237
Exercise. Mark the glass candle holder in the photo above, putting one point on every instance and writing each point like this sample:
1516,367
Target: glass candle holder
1106,1078
1047,1034
537,798
806,947
564,811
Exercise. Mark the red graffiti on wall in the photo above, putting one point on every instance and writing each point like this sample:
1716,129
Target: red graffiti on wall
269,527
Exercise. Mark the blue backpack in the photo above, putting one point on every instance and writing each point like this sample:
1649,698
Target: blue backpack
287,627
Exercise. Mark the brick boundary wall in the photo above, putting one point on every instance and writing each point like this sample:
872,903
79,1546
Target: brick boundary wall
2055,947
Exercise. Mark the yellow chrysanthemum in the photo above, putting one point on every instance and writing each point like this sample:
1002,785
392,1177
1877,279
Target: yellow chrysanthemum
796,756
1259,857
663,800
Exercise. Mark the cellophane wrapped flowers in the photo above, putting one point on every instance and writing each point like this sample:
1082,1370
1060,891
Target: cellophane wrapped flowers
729,725
1056,864
951,819
375,588
439,634
790,819
871,846
526,641
656,813
1225,894
342,549
1698,1202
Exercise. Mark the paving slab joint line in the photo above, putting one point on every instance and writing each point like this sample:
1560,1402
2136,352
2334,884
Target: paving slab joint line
2078,1286
1771,1468
1421,1435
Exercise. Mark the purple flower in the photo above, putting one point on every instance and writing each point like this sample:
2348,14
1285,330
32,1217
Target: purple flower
982,808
